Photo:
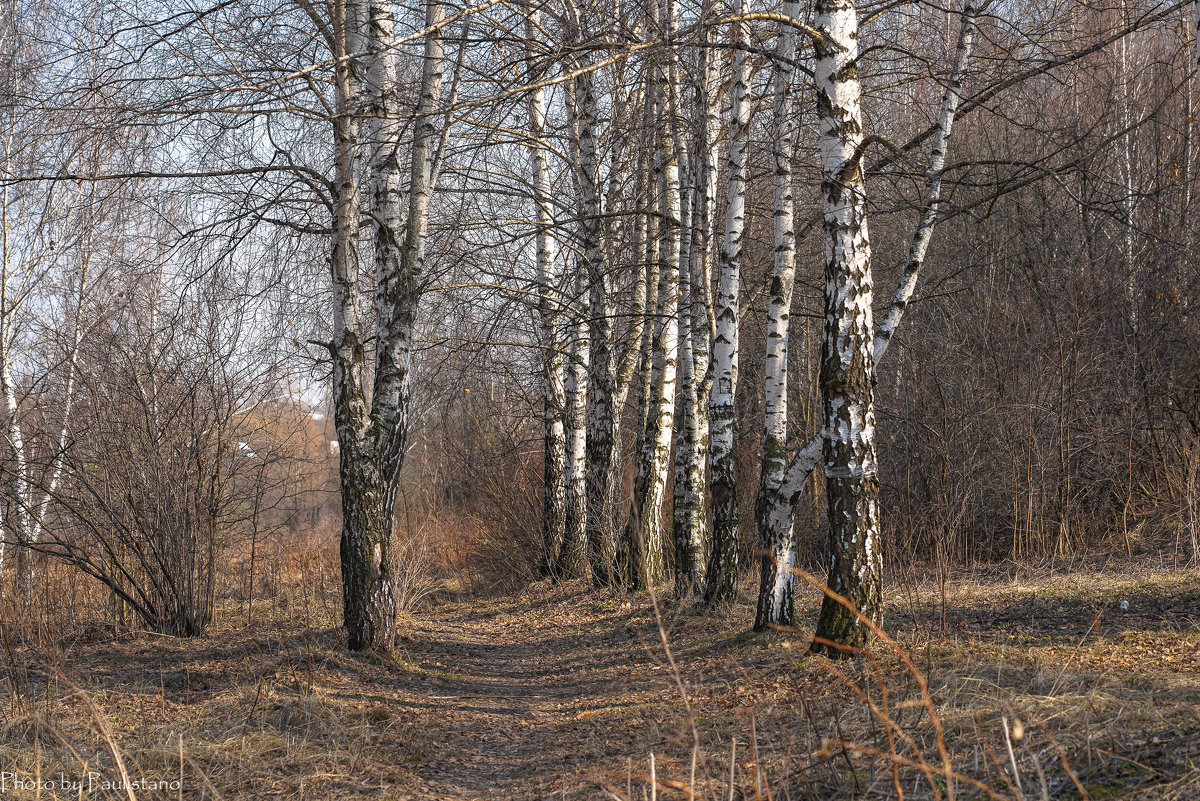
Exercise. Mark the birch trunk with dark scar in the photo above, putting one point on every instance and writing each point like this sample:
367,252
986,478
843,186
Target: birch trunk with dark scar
548,314
847,366
372,432
775,595
722,572
780,516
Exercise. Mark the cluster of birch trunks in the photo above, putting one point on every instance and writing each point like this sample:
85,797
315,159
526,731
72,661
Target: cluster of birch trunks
639,204
681,343
601,173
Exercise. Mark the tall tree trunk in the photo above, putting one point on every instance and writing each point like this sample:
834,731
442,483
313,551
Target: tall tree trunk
549,304
691,530
632,555
372,431
650,489
722,574
688,499
847,366
775,595
603,423
850,352
781,515
362,524
573,555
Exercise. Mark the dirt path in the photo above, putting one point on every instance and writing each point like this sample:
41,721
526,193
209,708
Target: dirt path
556,691
516,684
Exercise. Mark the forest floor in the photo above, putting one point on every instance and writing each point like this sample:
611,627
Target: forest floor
1040,685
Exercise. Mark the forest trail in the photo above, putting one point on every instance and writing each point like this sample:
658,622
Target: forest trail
514,687
558,692
562,692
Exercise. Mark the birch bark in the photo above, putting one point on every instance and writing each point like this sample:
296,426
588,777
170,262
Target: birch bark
847,366
573,556
646,523
696,335
722,571
603,432
372,427
632,554
775,597
548,312
688,497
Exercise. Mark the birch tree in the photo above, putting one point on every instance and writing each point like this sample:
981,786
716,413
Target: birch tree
847,367
775,597
603,425
696,319
648,365
722,573
573,555
855,564
554,437
30,260
665,250
53,244
372,424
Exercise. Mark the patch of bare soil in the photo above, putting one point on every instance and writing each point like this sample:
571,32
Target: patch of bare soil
1007,684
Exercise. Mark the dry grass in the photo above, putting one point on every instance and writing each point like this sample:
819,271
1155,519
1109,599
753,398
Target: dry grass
566,693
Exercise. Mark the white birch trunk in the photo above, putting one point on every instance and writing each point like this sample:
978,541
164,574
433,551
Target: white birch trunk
688,500
631,554
782,512
573,556
372,430
775,597
1127,202
722,572
696,319
646,523
548,313
847,366
603,432
16,441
